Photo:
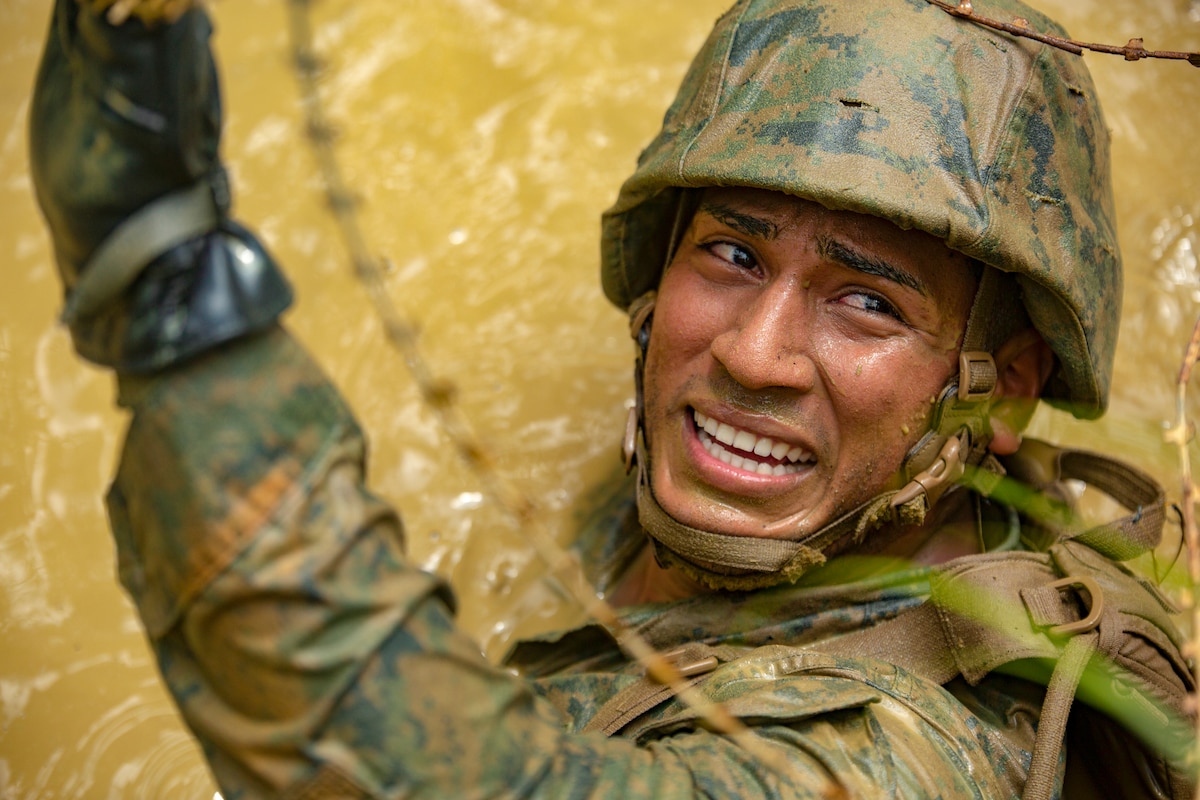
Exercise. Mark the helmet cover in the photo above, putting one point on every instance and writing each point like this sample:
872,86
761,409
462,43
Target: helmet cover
992,143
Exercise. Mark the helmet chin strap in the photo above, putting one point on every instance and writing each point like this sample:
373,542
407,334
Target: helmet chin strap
958,436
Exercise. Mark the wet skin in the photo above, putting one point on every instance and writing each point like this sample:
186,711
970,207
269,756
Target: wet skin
826,332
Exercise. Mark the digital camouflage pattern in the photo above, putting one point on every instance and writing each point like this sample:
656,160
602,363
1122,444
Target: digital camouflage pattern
896,109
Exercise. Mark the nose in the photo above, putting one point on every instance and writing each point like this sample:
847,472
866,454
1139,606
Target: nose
768,344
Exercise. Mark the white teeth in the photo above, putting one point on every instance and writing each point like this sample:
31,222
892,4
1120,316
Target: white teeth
725,434
713,432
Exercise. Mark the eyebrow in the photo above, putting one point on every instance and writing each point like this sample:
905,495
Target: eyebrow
741,221
836,251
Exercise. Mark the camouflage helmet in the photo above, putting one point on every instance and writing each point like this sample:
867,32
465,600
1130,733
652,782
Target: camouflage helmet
894,108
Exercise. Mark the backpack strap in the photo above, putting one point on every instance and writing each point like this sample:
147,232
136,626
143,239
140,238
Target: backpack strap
693,661
991,612
1052,723
1004,610
1042,467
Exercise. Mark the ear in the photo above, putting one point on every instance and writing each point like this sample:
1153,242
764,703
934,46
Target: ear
1023,365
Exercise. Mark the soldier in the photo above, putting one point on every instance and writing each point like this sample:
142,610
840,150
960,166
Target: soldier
868,238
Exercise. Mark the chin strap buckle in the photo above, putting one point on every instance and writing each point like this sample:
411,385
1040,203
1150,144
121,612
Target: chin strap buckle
935,479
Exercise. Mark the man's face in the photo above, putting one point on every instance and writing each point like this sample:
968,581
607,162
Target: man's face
792,361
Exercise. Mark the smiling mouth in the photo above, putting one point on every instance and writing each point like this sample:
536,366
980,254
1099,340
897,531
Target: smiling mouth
746,451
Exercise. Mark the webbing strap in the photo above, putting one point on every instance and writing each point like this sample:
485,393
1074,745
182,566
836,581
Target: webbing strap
1052,724
693,661
913,640
977,335
1129,536
997,313
976,620
630,703
1040,465
154,229
737,555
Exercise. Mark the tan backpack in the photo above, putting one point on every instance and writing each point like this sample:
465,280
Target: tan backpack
1070,617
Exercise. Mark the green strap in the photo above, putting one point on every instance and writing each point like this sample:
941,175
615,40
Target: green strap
154,229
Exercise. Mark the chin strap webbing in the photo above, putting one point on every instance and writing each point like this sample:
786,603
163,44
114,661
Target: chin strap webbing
743,563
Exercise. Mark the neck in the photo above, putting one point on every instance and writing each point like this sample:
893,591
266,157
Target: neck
950,531
647,581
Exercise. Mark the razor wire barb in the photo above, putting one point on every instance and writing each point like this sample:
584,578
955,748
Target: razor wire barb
439,395
1134,50
1181,434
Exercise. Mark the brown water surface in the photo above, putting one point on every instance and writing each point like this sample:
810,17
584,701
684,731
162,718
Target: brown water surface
485,137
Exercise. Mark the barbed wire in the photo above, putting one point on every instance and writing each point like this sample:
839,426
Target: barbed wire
439,395
1134,50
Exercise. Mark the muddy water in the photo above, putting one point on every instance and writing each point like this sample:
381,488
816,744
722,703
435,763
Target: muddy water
484,137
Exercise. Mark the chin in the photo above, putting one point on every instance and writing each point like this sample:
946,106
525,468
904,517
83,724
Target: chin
746,519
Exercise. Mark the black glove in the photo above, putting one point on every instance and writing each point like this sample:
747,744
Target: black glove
124,130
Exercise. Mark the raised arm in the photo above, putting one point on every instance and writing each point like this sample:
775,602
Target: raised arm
306,655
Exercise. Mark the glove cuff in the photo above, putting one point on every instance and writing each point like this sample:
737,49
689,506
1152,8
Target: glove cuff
206,291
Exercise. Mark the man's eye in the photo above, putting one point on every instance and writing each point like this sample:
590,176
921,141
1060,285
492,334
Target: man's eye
734,254
871,302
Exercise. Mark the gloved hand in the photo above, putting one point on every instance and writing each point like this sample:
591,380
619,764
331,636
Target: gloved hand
124,132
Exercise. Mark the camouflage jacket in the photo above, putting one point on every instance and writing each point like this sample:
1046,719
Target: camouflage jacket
312,661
